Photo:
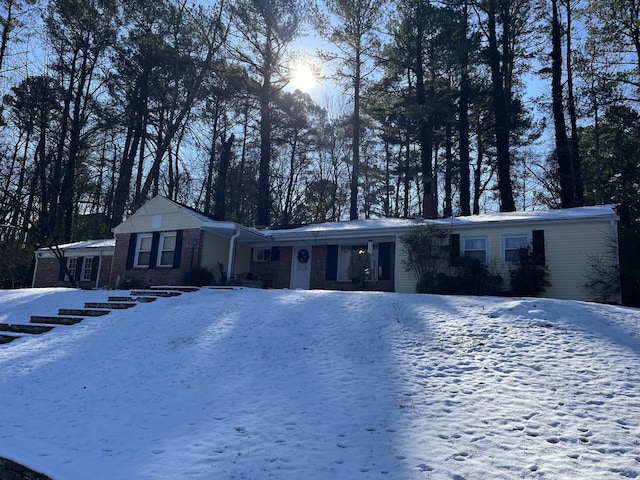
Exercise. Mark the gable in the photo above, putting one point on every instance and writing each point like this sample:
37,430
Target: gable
159,214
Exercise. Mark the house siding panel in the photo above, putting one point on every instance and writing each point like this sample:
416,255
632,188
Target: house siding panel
215,251
570,247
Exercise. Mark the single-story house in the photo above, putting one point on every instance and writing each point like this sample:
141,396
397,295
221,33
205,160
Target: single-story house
88,262
163,242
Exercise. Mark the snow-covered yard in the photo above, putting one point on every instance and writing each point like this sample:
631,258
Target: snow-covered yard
254,384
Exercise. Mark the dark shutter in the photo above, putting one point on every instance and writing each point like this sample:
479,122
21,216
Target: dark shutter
331,268
79,266
131,254
454,248
275,254
384,261
538,247
62,273
94,267
153,258
178,251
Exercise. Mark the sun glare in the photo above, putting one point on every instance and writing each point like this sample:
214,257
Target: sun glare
304,79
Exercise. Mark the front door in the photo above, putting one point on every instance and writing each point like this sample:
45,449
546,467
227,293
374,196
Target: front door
301,268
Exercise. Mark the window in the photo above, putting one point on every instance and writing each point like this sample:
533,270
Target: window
357,263
72,264
475,247
166,249
143,250
512,245
87,269
262,254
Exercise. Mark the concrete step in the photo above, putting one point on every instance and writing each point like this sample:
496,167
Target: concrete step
25,328
176,288
56,319
155,293
83,312
8,338
132,299
110,305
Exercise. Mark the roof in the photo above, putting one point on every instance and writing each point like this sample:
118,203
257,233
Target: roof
85,247
104,244
388,226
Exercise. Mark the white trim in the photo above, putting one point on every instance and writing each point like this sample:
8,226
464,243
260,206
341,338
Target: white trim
161,250
83,276
136,259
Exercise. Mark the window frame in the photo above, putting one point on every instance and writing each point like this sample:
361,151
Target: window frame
260,254
71,273
161,250
87,268
527,244
136,260
464,249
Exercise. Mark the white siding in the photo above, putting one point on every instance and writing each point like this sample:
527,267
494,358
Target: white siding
405,280
215,249
570,247
159,214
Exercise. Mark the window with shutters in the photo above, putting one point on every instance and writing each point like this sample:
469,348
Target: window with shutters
143,250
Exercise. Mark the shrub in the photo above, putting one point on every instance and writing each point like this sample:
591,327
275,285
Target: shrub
471,277
199,276
527,278
427,255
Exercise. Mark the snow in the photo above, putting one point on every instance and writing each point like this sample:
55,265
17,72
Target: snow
382,224
103,243
279,384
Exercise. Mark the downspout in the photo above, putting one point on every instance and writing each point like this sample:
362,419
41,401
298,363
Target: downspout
99,270
232,248
613,226
35,271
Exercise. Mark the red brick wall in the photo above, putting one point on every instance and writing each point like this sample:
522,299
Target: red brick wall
49,272
276,273
146,277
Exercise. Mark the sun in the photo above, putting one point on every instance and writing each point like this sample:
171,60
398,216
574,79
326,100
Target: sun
303,78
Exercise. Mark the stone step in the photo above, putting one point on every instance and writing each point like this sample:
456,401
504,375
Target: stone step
55,319
110,305
25,328
83,312
133,299
8,338
177,288
155,293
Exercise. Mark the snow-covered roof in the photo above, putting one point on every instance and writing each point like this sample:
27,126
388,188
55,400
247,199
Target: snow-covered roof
392,225
94,245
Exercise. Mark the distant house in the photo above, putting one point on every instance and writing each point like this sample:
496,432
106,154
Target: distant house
88,263
163,242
